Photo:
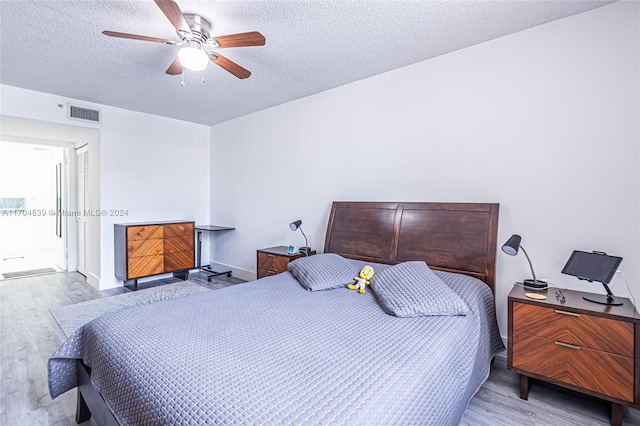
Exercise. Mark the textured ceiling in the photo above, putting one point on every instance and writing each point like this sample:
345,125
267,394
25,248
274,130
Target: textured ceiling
57,47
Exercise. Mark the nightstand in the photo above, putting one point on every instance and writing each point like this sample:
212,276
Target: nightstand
274,260
580,345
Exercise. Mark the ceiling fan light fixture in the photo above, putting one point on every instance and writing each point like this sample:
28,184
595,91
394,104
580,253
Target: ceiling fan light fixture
193,58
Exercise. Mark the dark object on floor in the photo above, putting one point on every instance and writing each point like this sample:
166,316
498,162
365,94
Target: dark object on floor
29,273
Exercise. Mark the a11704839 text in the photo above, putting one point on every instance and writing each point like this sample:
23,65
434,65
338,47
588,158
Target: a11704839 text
64,212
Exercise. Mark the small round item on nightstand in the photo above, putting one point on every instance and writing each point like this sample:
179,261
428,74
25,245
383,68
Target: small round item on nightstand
536,296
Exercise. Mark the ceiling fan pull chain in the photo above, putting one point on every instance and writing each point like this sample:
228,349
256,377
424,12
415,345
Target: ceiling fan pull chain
182,82
202,77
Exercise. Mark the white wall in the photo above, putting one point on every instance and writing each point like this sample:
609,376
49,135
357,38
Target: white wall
152,167
155,169
544,122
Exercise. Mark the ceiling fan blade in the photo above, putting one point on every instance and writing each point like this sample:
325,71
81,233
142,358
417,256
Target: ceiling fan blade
172,11
175,68
252,38
231,66
137,37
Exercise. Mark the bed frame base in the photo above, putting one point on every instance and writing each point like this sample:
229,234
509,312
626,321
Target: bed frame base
90,401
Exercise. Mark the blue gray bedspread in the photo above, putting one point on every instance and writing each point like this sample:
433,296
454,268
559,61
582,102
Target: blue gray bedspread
269,352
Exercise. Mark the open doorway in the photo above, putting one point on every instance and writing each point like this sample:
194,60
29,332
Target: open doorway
32,238
70,140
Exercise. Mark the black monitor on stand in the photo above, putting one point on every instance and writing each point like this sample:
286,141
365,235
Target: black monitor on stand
595,266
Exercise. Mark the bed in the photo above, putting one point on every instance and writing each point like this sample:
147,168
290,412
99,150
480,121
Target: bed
272,352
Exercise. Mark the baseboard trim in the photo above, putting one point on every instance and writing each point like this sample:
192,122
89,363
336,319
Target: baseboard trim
93,280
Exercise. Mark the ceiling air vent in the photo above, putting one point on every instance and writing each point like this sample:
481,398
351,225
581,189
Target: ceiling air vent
84,114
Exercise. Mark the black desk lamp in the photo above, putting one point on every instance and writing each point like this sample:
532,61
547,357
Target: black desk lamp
294,227
511,248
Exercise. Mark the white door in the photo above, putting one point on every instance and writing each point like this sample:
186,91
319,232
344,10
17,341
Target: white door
82,195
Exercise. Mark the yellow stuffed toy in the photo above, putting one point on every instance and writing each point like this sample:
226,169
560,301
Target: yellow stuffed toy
365,275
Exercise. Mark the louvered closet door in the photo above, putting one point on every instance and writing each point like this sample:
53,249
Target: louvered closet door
82,197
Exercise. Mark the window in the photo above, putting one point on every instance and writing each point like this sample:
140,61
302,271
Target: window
12,204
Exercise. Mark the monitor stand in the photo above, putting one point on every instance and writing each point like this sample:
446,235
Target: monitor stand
604,299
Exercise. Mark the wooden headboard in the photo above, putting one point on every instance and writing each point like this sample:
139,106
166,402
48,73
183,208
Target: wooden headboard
453,237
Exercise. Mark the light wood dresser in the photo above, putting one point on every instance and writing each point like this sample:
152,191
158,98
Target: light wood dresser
152,248
580,345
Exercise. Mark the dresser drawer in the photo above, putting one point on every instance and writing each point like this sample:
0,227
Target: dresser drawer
179,230
601,372
178,244
266,273
144,232
139,248
577,329
272,262
178,260
145,265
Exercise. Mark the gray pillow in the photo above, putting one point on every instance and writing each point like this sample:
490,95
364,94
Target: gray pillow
411,289
323,271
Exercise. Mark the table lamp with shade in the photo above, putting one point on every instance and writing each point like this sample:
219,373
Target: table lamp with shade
511,248
294,227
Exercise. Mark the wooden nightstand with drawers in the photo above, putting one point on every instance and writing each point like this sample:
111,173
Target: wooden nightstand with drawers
274,260
580,345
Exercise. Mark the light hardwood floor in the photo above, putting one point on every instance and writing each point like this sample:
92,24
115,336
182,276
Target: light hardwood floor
29,335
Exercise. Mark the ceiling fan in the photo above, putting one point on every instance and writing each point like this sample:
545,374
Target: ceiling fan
194,33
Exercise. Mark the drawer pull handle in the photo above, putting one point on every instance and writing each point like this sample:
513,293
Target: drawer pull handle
566,345
573,314
271,255
272,272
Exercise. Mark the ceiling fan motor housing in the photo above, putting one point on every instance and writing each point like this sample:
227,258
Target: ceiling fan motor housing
200,29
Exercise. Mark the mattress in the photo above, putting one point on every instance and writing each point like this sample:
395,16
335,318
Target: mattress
270,352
